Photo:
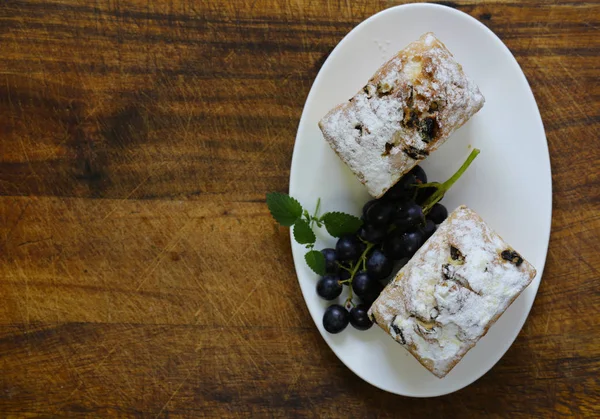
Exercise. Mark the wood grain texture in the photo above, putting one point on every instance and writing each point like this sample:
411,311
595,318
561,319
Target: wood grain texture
140,272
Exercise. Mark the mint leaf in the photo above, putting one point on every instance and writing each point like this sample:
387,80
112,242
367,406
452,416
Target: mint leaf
285,209
315,261
303,233
340,223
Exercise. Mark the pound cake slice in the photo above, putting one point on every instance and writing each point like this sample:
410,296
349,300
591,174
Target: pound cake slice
412,104
452,291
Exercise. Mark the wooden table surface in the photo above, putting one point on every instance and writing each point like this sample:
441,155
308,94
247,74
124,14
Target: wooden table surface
140,271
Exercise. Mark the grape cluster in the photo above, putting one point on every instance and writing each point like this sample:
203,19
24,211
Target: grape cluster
394,227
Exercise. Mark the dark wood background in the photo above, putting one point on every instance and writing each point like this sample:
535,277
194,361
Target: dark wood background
140,272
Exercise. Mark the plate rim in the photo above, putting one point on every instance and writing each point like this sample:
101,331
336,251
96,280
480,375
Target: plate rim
540,126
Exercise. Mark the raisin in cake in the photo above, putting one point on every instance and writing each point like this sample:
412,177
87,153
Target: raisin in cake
413,103
452,290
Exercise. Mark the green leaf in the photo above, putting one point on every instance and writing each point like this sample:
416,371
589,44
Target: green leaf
303,233
285,209
340,223
315,261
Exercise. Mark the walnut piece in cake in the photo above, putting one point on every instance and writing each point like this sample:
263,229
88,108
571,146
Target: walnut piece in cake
452,291
412,104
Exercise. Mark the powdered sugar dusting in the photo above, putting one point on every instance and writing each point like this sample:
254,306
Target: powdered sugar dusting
373,131
441,303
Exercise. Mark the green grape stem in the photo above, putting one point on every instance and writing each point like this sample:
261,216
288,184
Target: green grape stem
442,188
360,262
315,217
344,268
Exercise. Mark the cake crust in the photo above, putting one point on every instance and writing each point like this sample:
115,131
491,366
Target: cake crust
412,104
452,291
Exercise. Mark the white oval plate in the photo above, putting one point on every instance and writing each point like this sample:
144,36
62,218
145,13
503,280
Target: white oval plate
509,184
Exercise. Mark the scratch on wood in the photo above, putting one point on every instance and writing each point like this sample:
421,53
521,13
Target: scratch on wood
246,299
161,256
28,242
178,388
102,361
129,195
14,226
